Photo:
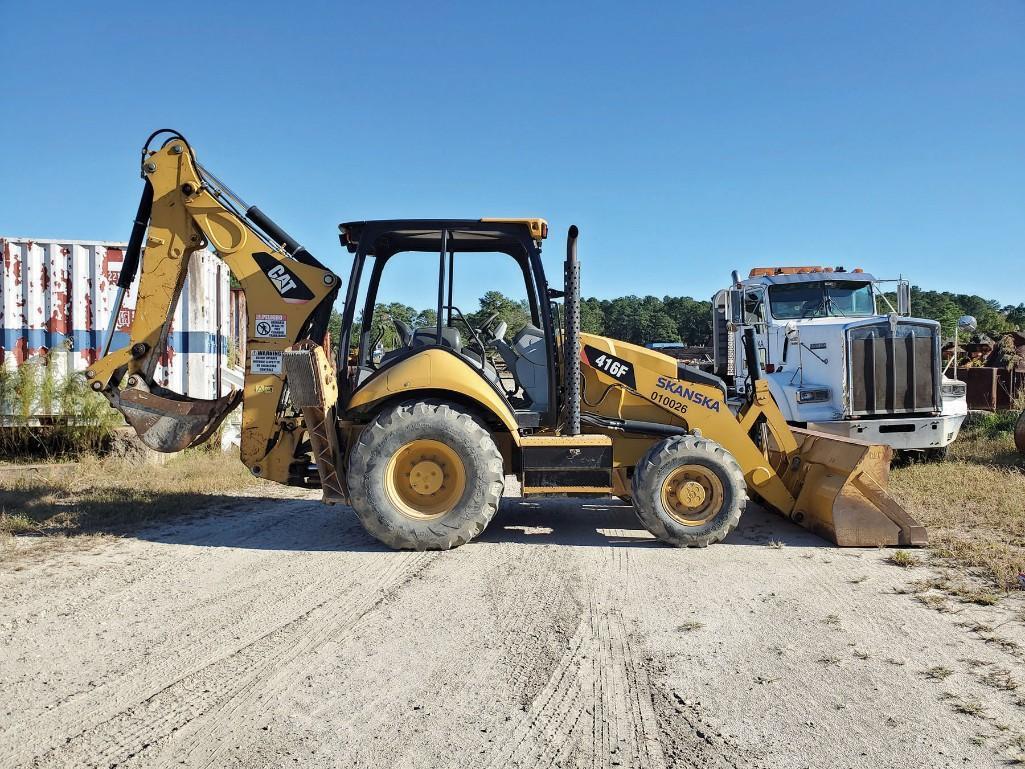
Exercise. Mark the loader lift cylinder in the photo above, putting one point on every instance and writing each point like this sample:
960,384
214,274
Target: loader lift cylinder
572,341
751,355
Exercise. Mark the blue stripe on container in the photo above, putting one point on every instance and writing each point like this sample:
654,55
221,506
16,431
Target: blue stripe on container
92,339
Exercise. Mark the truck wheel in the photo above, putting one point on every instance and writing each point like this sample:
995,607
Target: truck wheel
425,476
689,491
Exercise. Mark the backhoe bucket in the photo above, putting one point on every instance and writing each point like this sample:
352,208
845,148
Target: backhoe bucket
841,487
167,421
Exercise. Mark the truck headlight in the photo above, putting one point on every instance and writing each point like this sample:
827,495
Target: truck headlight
954,389
816,395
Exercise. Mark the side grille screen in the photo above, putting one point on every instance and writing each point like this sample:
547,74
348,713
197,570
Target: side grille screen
893,372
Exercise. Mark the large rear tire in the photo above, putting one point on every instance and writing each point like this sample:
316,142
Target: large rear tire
425,476
689,491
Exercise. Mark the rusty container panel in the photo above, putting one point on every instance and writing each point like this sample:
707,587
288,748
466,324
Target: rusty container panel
57,296
981,385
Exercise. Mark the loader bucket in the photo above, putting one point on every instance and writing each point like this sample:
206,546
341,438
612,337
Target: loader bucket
167,421
841,488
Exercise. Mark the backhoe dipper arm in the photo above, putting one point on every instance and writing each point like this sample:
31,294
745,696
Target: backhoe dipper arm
288,299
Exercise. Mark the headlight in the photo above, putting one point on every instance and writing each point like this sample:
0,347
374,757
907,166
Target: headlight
954,389
817,395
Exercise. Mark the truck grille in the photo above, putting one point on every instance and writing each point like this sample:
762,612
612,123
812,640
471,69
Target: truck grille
894,368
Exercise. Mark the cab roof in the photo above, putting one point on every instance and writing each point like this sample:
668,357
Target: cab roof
389,236
775,276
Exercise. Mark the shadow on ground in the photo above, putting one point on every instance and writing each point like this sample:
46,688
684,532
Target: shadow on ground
305,524
308,525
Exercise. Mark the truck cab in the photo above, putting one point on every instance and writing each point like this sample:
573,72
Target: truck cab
838,357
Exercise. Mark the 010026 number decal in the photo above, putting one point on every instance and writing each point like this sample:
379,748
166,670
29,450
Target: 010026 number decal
669,402
615,367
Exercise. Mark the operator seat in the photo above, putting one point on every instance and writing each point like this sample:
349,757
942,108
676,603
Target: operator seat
405,331
451,338
527,360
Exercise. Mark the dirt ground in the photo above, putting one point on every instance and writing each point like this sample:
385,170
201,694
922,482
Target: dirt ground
274,632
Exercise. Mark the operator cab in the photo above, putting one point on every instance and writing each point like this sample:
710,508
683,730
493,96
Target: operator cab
420,256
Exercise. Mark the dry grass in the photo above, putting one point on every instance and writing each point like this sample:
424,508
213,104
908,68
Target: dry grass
111,494
972,506
999,678
689,625
937,602
969,706
903,559
938,673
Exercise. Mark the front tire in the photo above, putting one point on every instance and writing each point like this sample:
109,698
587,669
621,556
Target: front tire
689,491
425,476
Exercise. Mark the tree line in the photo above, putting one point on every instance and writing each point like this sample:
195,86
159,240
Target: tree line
680,319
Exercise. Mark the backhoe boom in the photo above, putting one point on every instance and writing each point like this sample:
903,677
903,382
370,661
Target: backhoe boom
289,296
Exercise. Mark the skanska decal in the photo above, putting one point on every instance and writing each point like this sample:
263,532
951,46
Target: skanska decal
680,390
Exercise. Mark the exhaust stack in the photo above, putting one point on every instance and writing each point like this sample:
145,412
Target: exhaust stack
571,342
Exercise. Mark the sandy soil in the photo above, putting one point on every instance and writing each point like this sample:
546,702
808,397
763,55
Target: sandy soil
274,632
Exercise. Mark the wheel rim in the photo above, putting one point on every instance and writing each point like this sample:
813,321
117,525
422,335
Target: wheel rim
425,479
692,495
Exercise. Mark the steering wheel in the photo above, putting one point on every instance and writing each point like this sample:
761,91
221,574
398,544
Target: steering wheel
484,326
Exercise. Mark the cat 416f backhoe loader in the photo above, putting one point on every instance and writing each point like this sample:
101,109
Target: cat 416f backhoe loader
419,439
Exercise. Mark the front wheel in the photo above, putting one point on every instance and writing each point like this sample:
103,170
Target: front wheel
425,476
689,491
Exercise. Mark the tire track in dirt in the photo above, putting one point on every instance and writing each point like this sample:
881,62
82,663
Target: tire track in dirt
230,679
595,709
95,593
202,741
525,597
201,643
300,592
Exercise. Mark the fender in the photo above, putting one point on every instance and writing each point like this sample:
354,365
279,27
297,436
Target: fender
436,369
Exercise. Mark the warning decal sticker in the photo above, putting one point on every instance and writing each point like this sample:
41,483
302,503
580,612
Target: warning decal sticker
273,326
265,362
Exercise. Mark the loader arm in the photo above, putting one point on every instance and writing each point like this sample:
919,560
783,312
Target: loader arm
288,300
837,487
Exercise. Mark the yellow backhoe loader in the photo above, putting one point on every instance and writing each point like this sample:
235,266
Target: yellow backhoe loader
419,439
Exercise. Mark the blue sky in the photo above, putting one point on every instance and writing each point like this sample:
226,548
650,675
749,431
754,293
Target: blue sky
685,140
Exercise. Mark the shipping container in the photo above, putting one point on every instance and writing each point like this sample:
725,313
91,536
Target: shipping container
57,296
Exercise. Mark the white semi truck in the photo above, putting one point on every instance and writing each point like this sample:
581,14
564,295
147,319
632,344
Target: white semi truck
838,357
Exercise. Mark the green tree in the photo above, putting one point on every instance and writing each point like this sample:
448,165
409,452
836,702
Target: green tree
592,319
334,326
1015,315
425,319
515,313
693,318
383,326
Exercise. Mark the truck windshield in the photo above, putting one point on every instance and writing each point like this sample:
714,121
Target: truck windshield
822,299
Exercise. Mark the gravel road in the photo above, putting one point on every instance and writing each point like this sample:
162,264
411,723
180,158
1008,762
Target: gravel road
274,632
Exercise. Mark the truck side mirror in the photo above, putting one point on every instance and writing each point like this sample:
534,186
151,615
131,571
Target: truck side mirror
903,298
735,302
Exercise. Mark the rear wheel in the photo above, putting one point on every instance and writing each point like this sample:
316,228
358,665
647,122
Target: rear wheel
689,491
425,476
